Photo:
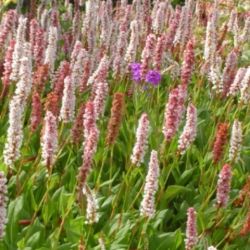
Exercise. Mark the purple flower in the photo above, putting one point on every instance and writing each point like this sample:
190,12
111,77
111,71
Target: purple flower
153,77
135,71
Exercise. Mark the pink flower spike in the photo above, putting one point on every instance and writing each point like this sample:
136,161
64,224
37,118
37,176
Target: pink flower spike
118,61
54,18
223,186
184,29
77,67
141,144
32,33
50,53
7,25
19,48
159,52
8,63
36,113
189,132
39,46
58,82
235,141
16,112
75,52
147,54
147,207
236,85
188,63
67,112
49,140
3,203
89,118
211,35
159,18
229,72
173,111
130,55
245,88
85,74
191,231
90,146
101,92
174,23
101,72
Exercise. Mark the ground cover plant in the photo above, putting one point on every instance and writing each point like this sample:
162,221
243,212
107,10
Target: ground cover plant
125,125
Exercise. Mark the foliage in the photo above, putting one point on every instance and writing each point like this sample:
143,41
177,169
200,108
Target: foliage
43,211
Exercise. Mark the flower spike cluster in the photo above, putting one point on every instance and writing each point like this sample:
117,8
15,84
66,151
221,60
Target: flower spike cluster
3,203
235,141
189,132
188,63
173,112
220,141
191,231
223,186
8,63
92,215
147,54
7,26
16,112
115,118
140,146
67,112
90,146
49,140
50,53
147,208
19,48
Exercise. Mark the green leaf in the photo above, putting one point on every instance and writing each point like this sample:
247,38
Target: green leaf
74,228
14,214
33,241
166,241
173,191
